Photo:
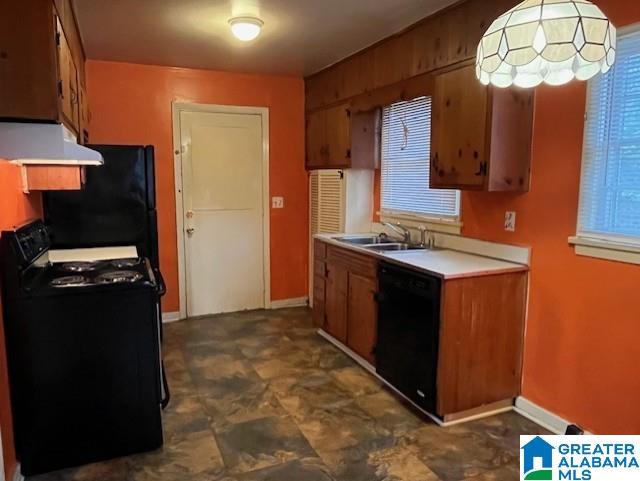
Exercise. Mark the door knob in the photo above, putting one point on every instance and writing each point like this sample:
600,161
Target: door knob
190,231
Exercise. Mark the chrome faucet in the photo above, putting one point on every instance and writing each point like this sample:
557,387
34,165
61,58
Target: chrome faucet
426,238
398,228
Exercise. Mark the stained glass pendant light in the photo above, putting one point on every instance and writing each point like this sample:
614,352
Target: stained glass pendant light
551,41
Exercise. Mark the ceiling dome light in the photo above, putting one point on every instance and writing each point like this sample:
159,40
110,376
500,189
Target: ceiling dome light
246,28
546,41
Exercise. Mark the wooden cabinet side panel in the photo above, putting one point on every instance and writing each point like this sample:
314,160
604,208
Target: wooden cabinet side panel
28,67
459,130
482,326
512,129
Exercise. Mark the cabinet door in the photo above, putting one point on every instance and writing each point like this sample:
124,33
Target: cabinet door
338,137
365,139
336,302
68,82
362,316
316,147
459,153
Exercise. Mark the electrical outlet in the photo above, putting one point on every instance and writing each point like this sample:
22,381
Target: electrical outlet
510,221
277,202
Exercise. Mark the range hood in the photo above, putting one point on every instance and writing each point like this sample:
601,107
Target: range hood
30,143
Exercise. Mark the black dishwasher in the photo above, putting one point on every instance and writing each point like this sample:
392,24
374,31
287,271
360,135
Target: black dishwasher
408,333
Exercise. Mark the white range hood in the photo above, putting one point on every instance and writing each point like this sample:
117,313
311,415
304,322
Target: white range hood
30,143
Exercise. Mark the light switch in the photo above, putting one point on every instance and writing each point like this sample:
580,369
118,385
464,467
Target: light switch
277,202
510,221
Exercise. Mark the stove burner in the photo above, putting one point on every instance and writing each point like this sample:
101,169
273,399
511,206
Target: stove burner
79,266
125,263
116,277
69,281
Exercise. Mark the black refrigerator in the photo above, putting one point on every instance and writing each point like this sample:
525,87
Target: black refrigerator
116,207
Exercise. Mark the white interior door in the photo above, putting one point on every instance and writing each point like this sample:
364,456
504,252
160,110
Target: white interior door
223,211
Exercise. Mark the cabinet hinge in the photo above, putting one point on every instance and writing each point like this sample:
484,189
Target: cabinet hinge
349,113
60,88
341,174
348,153
58,39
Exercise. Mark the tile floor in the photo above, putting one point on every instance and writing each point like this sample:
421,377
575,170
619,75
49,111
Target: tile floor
260,396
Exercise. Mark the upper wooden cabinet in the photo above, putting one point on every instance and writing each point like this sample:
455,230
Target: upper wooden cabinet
481,136
338,139
42,64
328,138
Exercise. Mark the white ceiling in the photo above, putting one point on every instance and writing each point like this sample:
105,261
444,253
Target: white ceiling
299,36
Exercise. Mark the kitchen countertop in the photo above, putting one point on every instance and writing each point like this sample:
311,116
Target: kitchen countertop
446,264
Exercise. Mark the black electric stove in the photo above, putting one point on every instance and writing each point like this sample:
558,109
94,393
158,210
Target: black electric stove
83,346
87,276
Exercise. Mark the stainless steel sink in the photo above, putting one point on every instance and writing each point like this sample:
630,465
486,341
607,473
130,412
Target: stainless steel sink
366,240
394,246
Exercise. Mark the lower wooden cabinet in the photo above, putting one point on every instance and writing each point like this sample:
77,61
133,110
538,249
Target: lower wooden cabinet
336,301
344,302
362,314
480,335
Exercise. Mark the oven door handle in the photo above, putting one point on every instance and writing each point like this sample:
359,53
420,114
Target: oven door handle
162,288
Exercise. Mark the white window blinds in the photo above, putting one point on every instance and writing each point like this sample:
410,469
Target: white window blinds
406,140
610,185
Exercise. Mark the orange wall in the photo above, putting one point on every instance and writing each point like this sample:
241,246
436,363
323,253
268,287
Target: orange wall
15,208
131,104
582,345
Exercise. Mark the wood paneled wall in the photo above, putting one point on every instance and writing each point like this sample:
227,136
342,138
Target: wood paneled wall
446,38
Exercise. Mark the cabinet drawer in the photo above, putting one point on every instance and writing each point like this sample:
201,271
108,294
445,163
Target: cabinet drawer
319,249
356,263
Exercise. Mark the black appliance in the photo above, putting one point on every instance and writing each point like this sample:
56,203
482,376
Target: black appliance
83,351
116,207
408,333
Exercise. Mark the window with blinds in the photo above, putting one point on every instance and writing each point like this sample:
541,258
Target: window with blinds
406,140
610,184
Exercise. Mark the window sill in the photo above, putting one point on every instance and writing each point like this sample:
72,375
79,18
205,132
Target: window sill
434,224
606,249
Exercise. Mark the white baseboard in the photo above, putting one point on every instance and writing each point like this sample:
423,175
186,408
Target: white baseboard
541,416
295,302
16,475
168,317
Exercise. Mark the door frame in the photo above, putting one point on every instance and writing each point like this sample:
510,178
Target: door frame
177,108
